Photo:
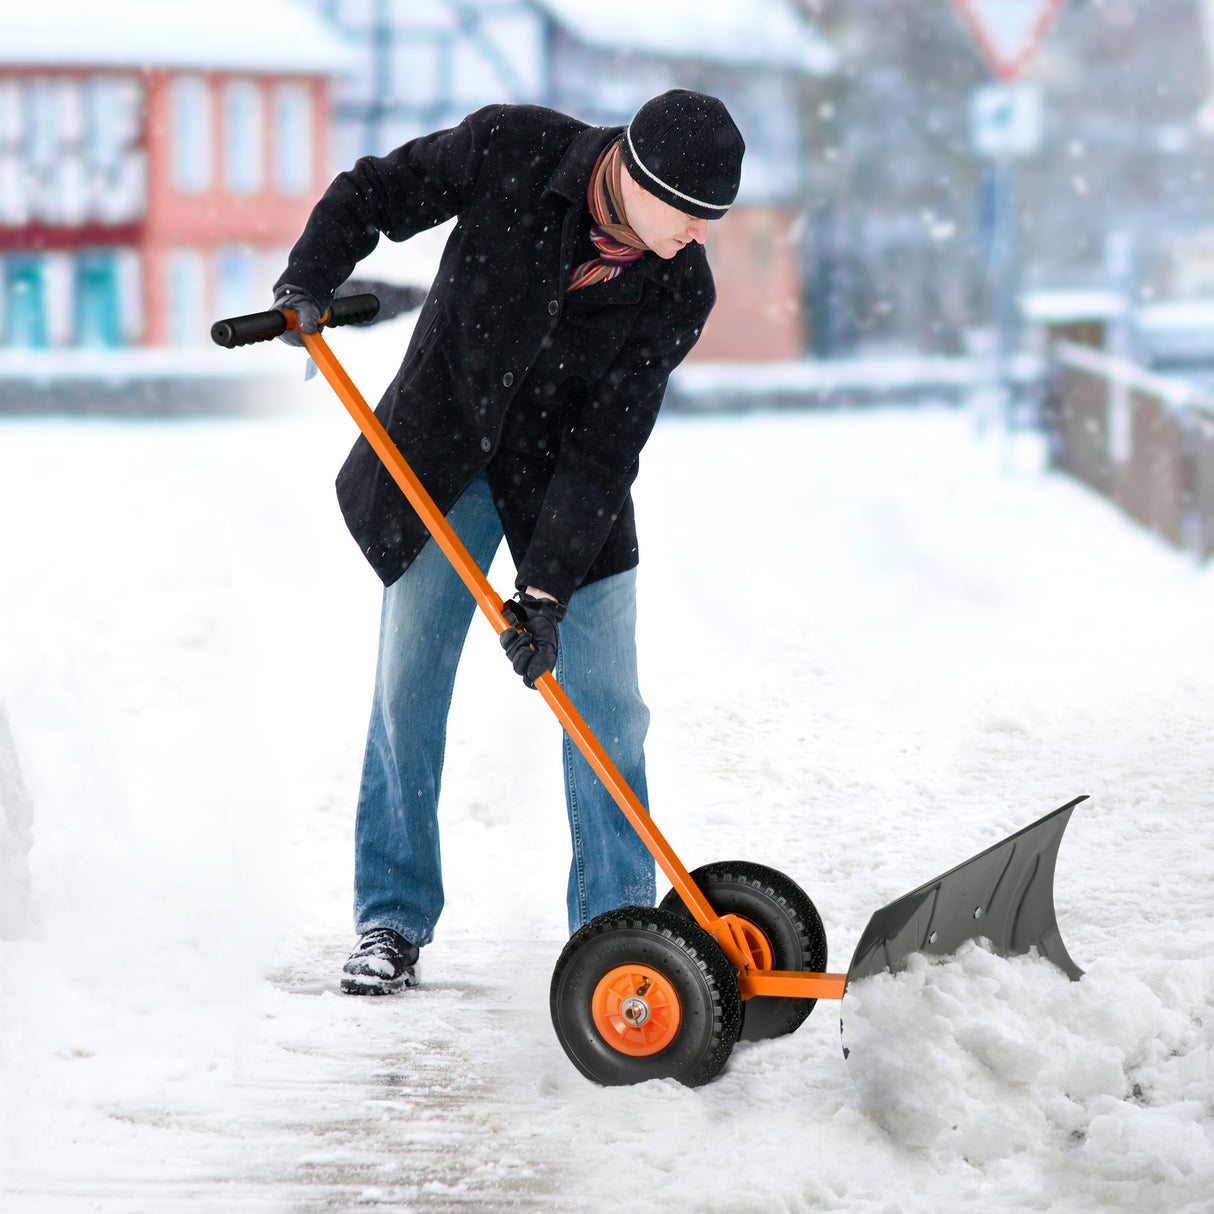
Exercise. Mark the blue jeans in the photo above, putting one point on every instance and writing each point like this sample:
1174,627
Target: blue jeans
426,614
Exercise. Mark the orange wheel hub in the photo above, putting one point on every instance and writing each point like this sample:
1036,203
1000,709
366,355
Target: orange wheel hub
635,1009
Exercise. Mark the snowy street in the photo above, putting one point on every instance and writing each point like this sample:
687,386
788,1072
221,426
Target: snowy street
873,645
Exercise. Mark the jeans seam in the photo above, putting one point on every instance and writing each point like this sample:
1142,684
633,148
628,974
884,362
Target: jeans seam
575,823
579,855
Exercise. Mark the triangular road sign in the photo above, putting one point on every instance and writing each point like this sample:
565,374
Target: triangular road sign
1008,31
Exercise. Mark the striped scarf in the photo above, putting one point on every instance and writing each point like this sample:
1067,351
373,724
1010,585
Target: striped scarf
617,244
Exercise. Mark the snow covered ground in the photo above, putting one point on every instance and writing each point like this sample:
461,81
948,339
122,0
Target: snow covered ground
873,646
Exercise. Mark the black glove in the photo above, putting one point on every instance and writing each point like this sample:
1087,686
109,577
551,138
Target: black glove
531,643
306,307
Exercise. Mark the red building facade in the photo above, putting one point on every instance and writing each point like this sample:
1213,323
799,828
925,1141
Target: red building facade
235,164
136,204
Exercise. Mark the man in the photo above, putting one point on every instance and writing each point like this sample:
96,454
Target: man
574,281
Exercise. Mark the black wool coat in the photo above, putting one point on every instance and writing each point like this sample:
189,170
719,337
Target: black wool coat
552,396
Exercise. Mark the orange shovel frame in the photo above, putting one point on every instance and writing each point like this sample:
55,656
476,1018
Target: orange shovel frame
728,930
1003,895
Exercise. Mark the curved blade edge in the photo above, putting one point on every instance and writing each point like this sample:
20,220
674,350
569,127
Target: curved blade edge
1004,895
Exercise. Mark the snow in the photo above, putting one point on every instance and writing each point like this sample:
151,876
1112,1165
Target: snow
1059,307
766,32
873,645
130,363
811,375
267,35
1177,314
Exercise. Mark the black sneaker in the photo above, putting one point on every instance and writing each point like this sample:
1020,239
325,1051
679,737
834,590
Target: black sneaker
382,963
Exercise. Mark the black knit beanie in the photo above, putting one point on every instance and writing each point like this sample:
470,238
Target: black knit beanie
685,149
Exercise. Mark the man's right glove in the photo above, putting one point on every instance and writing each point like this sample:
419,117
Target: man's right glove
306,307
531,643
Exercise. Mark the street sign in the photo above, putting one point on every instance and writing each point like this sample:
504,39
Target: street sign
1005,120
1008,32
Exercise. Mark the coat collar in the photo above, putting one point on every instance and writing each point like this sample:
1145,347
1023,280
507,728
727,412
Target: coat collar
570,180
572,175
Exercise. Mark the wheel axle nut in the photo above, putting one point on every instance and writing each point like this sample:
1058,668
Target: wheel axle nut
635,1010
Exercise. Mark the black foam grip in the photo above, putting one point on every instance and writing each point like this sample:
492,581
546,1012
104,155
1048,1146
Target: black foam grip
265,326
352,310
244,330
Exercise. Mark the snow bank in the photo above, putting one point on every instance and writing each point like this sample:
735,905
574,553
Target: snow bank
984,1059
16,836
872,645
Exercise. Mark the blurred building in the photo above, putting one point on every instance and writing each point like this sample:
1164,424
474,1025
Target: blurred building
155,163
1114,195
427,63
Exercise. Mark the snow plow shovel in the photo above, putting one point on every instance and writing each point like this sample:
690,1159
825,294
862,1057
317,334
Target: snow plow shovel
735,949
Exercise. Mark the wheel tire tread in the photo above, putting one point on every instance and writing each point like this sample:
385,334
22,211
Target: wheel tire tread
780,1015
698,950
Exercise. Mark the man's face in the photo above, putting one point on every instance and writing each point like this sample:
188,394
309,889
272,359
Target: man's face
663,228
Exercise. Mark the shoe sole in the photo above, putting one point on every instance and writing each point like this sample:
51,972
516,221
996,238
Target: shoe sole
351,985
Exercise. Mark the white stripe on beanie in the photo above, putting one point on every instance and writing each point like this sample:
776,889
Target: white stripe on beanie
714,206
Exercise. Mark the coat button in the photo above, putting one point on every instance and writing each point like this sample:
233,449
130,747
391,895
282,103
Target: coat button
507,379
485,444
553,307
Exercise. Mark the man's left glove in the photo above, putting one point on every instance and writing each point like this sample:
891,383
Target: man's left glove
307,309
531,644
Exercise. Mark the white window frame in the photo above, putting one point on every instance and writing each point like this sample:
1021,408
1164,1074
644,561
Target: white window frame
130,295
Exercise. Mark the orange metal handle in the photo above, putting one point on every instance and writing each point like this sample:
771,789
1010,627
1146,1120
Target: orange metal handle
491,605
751,981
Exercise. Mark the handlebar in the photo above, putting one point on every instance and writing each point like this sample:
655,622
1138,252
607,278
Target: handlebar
265,326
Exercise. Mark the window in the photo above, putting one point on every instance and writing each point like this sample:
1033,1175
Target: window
191,135
293,135
186,292
46,119
15,204
243,144
112,120
25,303
237,283
96,320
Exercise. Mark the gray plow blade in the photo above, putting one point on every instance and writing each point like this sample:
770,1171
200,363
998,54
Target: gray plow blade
1004,894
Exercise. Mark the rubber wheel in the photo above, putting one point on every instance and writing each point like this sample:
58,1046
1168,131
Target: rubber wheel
780,914
641,994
